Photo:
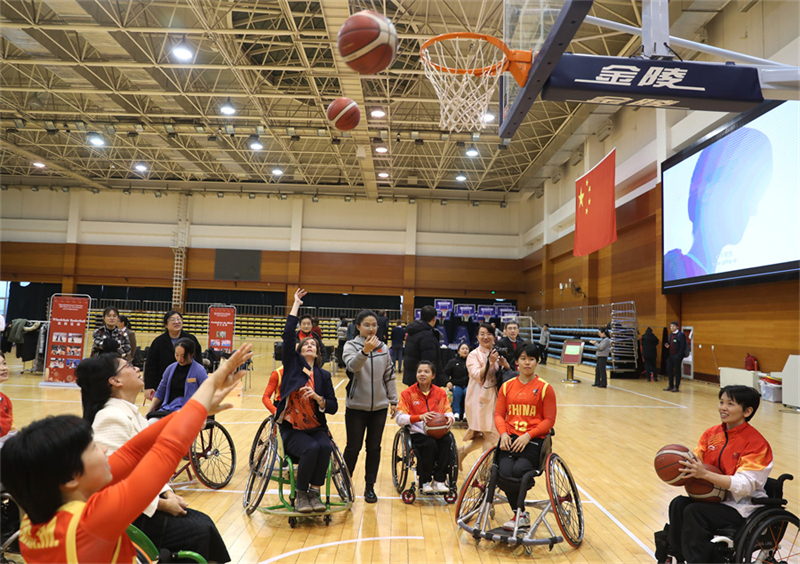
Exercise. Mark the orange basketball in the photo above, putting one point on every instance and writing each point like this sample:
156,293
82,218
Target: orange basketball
344,114
368,42
437,426
668,464
703,490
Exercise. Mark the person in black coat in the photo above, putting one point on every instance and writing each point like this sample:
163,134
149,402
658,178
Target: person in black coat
383,326
649,354
398,340
457,379
512,342
162,351
422,343
676,343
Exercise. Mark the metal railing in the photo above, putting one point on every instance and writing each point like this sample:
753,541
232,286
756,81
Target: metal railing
582,316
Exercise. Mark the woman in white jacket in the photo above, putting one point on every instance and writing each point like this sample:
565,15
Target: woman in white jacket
371,393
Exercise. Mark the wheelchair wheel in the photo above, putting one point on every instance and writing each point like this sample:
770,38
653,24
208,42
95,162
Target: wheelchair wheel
265,432
565,499
775,538
474,489
260,475
401,454
340,476
213,456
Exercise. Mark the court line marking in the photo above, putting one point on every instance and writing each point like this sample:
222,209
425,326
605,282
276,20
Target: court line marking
637,394
617,522
336,543
48,400
336,387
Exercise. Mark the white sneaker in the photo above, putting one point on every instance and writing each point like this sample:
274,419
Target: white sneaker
427,488
524,522
457,417
440,487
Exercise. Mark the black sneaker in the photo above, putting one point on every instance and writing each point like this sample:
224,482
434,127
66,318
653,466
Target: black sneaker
369,494
669,389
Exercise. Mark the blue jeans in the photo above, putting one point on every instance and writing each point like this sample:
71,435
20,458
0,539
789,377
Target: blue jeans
458,399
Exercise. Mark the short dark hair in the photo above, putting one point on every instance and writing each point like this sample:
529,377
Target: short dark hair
306,316
428,363
124,319
187,344
427,313
110,345
318,358
675,323
529,349
547,325
169,314
604,331
28,468
363,314
512,322
93,374
109,309
744,396
486,326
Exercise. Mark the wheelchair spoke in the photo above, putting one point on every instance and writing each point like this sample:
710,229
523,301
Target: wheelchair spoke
774,539
473,491
565,499
213,456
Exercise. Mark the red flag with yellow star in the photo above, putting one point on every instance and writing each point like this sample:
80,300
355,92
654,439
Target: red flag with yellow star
595,209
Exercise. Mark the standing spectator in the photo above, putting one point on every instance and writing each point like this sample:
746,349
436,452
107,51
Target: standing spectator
351,330
307,330
422,343
649,354
512,342
371,394
162,351
544,343
484,365
398,340
126,328
315,328
603,348
498,333
677,350
341,338
383,326
109,330
457,380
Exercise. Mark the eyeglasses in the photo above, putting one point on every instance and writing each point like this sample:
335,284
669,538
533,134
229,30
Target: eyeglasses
123,367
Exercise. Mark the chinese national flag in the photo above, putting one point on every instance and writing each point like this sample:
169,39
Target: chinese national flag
595,211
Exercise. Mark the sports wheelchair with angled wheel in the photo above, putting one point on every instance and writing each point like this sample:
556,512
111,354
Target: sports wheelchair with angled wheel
212,457
475,504
147,553
769,535
272,464
404,461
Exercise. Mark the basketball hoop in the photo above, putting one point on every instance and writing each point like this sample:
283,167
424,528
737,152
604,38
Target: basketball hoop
464,69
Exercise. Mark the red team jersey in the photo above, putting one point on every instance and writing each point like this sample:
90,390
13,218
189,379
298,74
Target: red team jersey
525,408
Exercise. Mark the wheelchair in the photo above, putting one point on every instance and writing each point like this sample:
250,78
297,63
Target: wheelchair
147,553
404,461
479,493
769,535
212,457
272,463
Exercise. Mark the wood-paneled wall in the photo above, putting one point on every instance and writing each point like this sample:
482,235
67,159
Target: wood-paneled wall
760,319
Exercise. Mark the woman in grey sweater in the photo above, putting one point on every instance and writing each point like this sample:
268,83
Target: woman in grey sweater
603,348
371,393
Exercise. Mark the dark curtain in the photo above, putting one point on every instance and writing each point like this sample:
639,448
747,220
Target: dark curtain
125,293
31,301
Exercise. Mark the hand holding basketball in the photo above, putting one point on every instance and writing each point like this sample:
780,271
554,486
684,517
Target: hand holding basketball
669,464
435,425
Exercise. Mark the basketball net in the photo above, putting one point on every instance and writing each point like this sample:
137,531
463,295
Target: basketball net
464,69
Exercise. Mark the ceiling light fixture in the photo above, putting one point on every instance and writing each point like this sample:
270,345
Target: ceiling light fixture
503,204
379,200
315,198
254,143
282,196
252,196
461,177
378,113
277,172
126,191
95,190
412,201
65,189
472,151
182,51
141,167
347,198
220,194
488,117
382,149
443,202
37,164
96,139
227,108
383,175
34,188
475,203
157,194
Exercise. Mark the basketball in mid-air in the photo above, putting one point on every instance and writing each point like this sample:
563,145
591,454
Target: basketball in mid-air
368,42
668,464
343,113
437,426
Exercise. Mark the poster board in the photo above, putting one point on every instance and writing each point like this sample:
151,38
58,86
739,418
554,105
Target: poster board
572,352
221,325
67,338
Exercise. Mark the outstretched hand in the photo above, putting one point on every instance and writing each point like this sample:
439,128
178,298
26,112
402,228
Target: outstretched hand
223,380
298,296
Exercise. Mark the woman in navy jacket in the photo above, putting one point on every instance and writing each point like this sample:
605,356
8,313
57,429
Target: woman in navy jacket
306,396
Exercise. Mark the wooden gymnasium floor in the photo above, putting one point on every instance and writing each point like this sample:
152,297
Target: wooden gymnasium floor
608,438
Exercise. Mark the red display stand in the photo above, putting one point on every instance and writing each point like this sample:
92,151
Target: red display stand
221,323
66,338
572,356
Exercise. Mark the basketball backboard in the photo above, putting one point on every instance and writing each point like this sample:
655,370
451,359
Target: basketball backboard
546,27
